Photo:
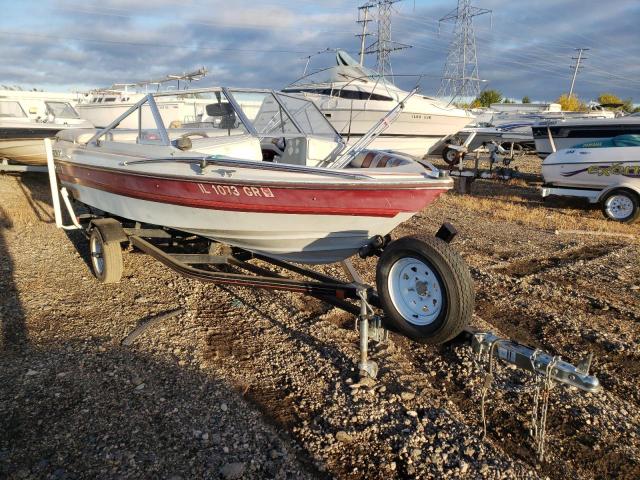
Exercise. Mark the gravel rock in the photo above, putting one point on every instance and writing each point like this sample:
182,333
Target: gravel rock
233,471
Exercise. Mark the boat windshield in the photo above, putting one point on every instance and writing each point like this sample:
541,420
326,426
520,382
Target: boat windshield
276,113
61,110
216,112
11,110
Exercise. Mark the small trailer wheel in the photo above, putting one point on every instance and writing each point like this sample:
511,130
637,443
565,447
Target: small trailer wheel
621,206
425,289
451,156
106,258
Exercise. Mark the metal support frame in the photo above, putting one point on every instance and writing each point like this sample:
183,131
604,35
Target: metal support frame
5,166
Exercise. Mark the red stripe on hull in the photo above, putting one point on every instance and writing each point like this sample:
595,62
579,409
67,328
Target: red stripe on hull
251,198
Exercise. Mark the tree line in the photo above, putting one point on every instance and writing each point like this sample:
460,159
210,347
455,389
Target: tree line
569,103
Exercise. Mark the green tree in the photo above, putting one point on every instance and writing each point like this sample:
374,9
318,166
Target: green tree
507,100
571,103
526,99
486,98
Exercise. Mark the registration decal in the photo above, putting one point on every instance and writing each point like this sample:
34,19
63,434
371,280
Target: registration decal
235,191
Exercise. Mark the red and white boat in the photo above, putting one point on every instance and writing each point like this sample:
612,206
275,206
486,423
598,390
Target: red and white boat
282,184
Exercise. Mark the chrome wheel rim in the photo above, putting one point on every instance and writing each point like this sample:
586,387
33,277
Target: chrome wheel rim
619,207
416,291
97,257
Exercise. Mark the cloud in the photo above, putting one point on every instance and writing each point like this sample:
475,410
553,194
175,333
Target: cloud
522,49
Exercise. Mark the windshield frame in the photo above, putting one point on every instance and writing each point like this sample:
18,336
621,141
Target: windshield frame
67,105
8,100
149,100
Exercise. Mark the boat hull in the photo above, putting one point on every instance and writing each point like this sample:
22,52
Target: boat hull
420,126
25,145
309,223
567,135
24,151
593,168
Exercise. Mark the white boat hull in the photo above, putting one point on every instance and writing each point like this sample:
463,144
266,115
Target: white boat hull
296,238
24,151
593,168
420,126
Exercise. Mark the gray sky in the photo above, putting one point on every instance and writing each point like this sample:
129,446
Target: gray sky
524,48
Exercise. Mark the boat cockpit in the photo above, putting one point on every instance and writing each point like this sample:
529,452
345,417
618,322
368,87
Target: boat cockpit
258,125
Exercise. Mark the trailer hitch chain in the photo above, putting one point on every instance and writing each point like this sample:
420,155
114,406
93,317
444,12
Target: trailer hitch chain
546,370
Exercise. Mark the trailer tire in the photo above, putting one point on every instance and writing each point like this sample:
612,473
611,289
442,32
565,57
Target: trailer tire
450,156
106,258
437,303
621,205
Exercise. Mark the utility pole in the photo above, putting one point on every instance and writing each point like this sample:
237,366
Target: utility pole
576,67
383,46
460,76
363,18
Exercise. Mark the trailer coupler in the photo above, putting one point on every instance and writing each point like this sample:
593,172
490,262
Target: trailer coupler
536,361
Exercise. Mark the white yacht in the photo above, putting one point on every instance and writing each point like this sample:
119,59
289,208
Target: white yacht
353,98
103,105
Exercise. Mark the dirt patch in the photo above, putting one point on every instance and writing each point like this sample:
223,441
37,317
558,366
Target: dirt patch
538,265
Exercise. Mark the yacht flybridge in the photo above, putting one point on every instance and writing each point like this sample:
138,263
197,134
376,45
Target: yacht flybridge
353,98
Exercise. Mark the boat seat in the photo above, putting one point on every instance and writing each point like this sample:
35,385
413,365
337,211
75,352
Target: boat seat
377,159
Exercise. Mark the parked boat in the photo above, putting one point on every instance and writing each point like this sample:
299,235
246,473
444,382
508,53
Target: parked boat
353,98
25,121
264,185
559,134
603,171
510,126
103,105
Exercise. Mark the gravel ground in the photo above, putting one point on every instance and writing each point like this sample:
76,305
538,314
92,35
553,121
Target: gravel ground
257,384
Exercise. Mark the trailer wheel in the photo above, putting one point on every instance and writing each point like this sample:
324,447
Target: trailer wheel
450,156
621,206
106,258
425,289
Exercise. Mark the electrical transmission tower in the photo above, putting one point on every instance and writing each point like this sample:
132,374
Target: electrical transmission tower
383,46
460,76
576,67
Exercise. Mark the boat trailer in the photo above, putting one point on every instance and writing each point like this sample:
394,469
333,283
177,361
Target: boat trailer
211,262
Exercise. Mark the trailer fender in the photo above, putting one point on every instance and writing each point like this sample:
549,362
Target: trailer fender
619,186
110,229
